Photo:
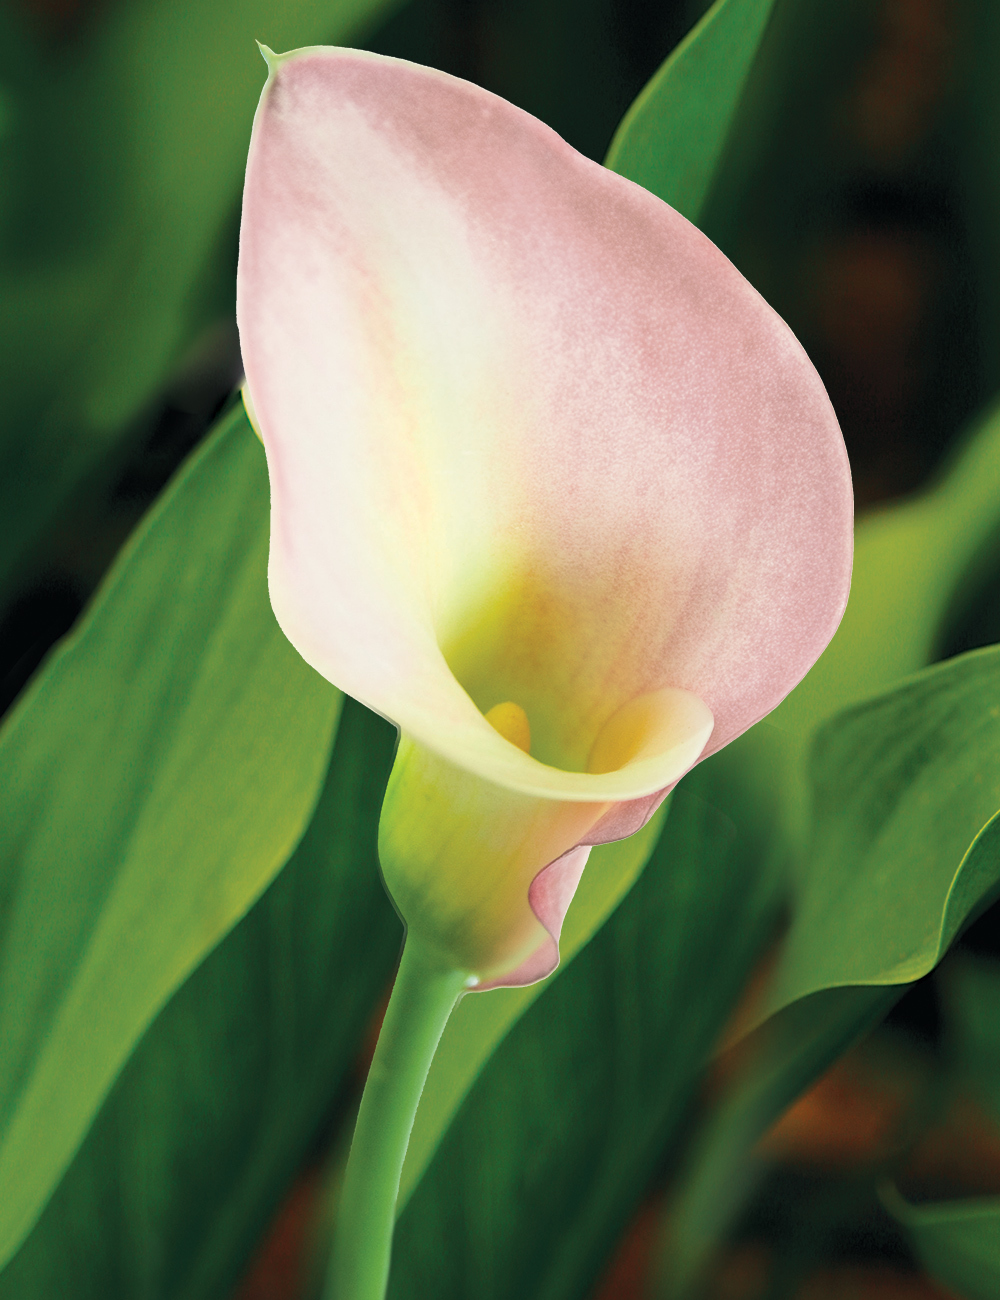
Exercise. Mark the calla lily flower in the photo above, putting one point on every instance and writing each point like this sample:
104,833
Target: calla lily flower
552,487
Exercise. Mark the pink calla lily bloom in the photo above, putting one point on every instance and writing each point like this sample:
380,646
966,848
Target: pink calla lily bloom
552,487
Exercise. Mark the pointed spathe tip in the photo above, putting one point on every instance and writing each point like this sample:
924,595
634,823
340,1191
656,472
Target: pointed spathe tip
270,58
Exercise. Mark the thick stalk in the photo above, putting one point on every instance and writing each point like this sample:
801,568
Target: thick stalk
423,997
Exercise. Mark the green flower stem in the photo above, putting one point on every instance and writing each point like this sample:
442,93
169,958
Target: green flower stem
423,997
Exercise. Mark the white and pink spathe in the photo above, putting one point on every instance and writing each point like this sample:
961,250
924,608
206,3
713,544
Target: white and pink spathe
530,437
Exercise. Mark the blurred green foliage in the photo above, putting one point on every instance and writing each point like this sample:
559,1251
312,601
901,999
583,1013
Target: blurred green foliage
972,997
959,1240
122,153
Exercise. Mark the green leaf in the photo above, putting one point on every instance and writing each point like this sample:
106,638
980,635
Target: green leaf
215,1111
958,1242
574,1112
124,157
906,848
906,838
157,775
672,138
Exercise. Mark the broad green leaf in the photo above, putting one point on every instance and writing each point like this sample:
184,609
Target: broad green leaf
125,149
578,1106
672,138
958,1242
701,80
905,849
156,776
906,839
215,1111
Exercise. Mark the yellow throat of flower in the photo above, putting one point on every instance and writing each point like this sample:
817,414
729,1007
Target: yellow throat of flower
511,721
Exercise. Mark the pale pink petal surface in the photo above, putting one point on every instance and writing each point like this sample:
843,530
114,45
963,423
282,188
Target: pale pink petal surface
531,437
549,897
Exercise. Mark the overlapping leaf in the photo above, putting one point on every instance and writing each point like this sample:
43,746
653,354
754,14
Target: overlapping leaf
906,847
156,776
214,1112
906,838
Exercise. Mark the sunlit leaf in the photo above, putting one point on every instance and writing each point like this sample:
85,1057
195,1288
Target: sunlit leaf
214,1112
906,839
156,776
